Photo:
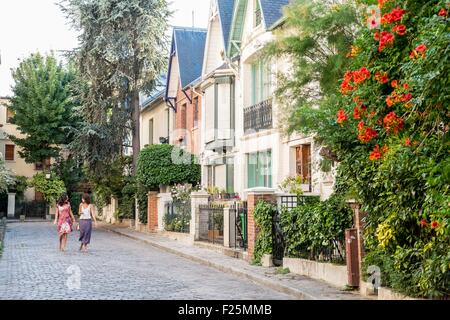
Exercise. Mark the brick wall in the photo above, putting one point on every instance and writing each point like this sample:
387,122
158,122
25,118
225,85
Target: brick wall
152,212
252,200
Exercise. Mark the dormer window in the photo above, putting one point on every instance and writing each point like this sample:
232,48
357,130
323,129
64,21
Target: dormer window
257,13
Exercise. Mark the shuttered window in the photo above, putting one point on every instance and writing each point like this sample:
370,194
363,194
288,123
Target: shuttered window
303,162
9,115
9,152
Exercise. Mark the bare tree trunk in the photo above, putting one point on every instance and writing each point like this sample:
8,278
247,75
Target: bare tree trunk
136,134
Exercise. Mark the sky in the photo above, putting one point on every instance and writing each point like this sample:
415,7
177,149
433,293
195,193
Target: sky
27,26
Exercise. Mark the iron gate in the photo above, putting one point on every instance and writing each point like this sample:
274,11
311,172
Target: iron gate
238,231
277,239
211,223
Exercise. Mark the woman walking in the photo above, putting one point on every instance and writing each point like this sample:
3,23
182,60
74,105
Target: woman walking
64,218
86,217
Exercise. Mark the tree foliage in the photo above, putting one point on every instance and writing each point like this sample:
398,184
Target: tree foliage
6,177
314,40
314,229
42,103
50,188
263,214
163,164
122,52
388,128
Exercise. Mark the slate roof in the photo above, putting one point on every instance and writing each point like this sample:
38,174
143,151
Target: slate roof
272,11
189,45
156,93
226,16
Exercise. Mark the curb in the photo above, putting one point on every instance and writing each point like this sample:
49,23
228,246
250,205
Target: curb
2,234
246,275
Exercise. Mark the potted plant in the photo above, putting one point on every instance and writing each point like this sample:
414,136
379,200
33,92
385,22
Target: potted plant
216,229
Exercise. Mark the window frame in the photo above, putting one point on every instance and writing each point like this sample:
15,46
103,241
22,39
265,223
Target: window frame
261,81
13,152
9,115
151,131
254,169
195,111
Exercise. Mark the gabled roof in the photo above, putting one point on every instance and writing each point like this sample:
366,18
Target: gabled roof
272,14
226,15
188,44
272,11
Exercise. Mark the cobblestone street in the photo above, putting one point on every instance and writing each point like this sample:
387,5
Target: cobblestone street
115,268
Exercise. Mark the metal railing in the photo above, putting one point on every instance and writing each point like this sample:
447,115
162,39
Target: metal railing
177,217
328,252
292,201
30,209
258,117
211,223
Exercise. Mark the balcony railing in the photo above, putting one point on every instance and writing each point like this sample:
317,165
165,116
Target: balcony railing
258,117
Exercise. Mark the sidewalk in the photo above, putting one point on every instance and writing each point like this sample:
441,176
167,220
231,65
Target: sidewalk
299,286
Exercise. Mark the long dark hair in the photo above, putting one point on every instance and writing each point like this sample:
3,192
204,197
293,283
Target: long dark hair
63,199
86,198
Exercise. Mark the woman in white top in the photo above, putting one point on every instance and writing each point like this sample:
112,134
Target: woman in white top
86,217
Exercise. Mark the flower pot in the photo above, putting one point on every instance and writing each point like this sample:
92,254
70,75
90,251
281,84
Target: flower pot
214,234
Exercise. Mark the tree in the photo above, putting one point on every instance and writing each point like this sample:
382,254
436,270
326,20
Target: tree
50,188
163,164
42,104
315,38
122,52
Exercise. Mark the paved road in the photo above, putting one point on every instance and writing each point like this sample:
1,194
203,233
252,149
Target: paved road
116,268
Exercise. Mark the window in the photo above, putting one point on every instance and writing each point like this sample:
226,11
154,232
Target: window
230,177
150,131
9,115
42,165
259,169
257,16
195,105
9,152
261,86
303,162
38,166
210,178
183,116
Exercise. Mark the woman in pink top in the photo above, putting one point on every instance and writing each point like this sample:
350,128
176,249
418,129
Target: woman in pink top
65,219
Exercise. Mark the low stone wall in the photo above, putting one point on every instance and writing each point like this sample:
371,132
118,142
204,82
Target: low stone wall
333,274
389,294
185,238
126,223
